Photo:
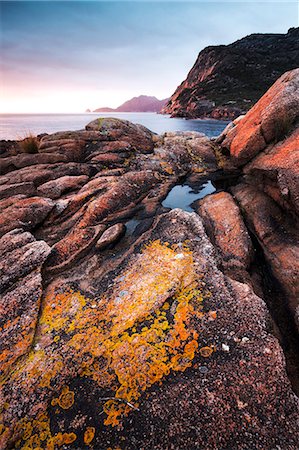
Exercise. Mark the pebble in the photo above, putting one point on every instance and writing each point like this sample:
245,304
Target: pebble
179,256
203,369
225,347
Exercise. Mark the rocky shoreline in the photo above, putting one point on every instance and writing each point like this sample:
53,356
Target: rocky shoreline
181,334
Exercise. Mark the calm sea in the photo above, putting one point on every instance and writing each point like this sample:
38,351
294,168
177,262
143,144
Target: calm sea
18,126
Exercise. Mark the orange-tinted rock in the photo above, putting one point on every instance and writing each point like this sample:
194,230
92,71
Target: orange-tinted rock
168,348
132,187
277,172
71,146
21,287
41,173
109,159
76,244
139,137
115,146
18,318
23,160
278,236
149,344
111,235
25,213
270,120
226,229
9,190
55,188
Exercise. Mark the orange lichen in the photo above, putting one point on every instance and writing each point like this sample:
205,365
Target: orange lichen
36,434
89,435
65,400
206,351
212,315
146,327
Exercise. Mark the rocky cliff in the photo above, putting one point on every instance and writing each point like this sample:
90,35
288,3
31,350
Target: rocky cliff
226,80
179,332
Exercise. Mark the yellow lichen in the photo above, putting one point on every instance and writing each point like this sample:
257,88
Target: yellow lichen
89,435
145,327
206,351
65,400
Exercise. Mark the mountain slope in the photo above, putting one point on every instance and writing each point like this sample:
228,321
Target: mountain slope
143,103
226,80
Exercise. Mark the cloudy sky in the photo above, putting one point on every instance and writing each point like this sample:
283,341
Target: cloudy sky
69,56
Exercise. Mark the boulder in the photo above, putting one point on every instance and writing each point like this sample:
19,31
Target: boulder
23,160
55,188
109,159
179,153
167,353
137,136
123,194
77,243
110,236
24,213
278,235
21,287
9,190
276,171
68,144
226,229
41,173
270,120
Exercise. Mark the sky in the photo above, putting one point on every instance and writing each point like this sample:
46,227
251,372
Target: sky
69,56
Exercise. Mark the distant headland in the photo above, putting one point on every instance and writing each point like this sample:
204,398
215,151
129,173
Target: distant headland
143,103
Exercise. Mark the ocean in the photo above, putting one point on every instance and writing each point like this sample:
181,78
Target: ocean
18,126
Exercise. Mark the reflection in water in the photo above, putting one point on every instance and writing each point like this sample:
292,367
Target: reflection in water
131,226
182,195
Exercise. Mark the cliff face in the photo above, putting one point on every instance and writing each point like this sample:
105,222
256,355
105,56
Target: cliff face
143,103
226,80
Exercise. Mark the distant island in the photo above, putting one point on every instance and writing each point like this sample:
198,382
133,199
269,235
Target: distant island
143,103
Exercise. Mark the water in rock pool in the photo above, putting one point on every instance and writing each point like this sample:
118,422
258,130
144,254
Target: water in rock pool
182,195
131,226
17,126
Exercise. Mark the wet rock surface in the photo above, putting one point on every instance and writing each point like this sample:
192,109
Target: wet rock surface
125,325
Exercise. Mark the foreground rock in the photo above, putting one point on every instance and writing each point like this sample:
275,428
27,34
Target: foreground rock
23,212
278,237
127,326
226,229
168,316
267,140
277,172
21,289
